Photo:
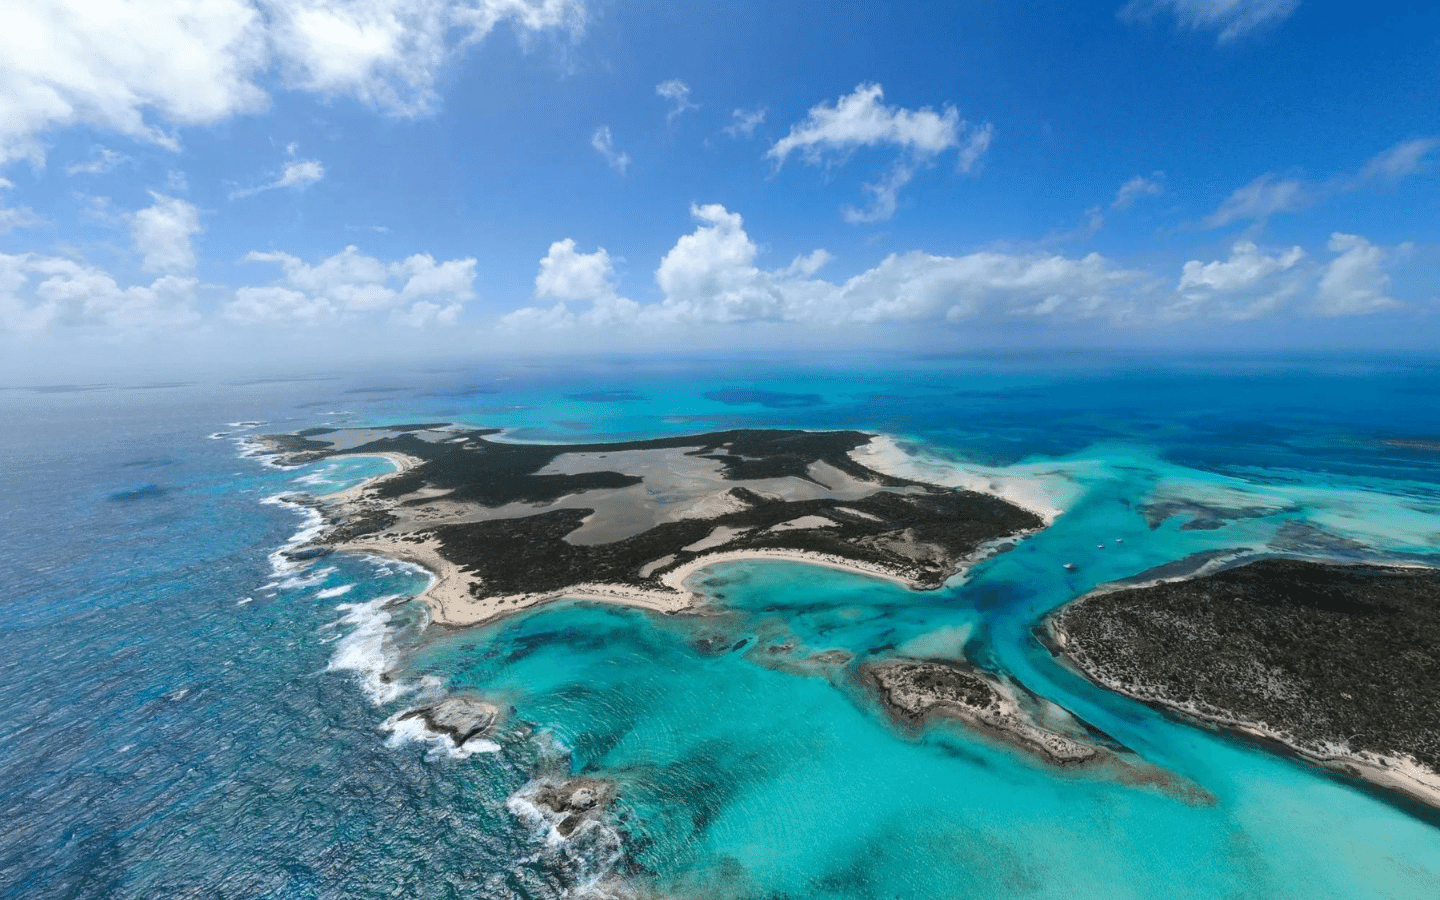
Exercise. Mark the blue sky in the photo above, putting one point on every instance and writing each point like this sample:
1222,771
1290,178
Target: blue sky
247,176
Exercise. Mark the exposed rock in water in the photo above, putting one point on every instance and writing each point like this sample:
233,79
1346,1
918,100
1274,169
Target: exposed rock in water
303,553
569,804
459,717
915,690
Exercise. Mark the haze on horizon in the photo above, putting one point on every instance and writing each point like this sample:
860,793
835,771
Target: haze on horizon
190,183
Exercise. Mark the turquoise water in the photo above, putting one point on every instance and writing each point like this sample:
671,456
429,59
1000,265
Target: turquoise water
238,741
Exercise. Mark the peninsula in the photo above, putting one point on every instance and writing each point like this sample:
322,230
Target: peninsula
505,526
1338,663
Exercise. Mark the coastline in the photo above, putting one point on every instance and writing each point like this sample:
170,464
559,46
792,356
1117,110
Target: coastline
1402,775
1033,493
450,602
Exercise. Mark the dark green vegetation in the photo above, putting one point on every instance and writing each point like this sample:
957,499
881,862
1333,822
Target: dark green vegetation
1340,655
919,532
914,688
923,536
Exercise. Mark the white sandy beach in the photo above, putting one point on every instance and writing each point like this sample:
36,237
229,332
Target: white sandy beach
1044,490
453,602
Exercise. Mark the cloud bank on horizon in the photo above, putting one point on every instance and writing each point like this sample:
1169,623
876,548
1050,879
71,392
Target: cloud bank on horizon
492,150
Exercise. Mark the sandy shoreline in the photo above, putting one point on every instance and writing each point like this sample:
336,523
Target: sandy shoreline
1038,492
1402,775
451,603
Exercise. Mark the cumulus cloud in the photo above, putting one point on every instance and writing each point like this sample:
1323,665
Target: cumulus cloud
711,276
678,93
105,160
744,122
862,119
604,144
349,285
1354,282
1249,284
145,67
388,53
828,134
1230,18
1261,199
162,234
39,292
566,276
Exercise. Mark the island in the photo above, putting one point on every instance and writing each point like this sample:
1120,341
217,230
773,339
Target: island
505,526
915,690
1338,663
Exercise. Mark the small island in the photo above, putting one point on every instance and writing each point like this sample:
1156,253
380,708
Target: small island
1338,663
914,690
506,526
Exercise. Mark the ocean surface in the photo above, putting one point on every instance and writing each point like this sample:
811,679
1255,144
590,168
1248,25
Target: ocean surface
184,715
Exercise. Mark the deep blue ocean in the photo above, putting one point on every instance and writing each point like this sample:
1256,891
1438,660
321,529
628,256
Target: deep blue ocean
178,718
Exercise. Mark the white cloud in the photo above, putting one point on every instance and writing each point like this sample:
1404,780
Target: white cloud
162,234
1353,283
828,134
105,160
861,119
1138,187
745,121
1268,194
975,148
1231,18
710,276
604,144
39,292
1260,199
12,217
388,53
1400,161
1249,284
186,61
141,68
298,173
570,276
417,291
884,195
678,93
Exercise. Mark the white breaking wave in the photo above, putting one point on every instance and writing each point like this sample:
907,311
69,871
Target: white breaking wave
328,593
310,528
307,579
367,649
405,731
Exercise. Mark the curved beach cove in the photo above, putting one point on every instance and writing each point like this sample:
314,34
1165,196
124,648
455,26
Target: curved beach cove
748,754
233,711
